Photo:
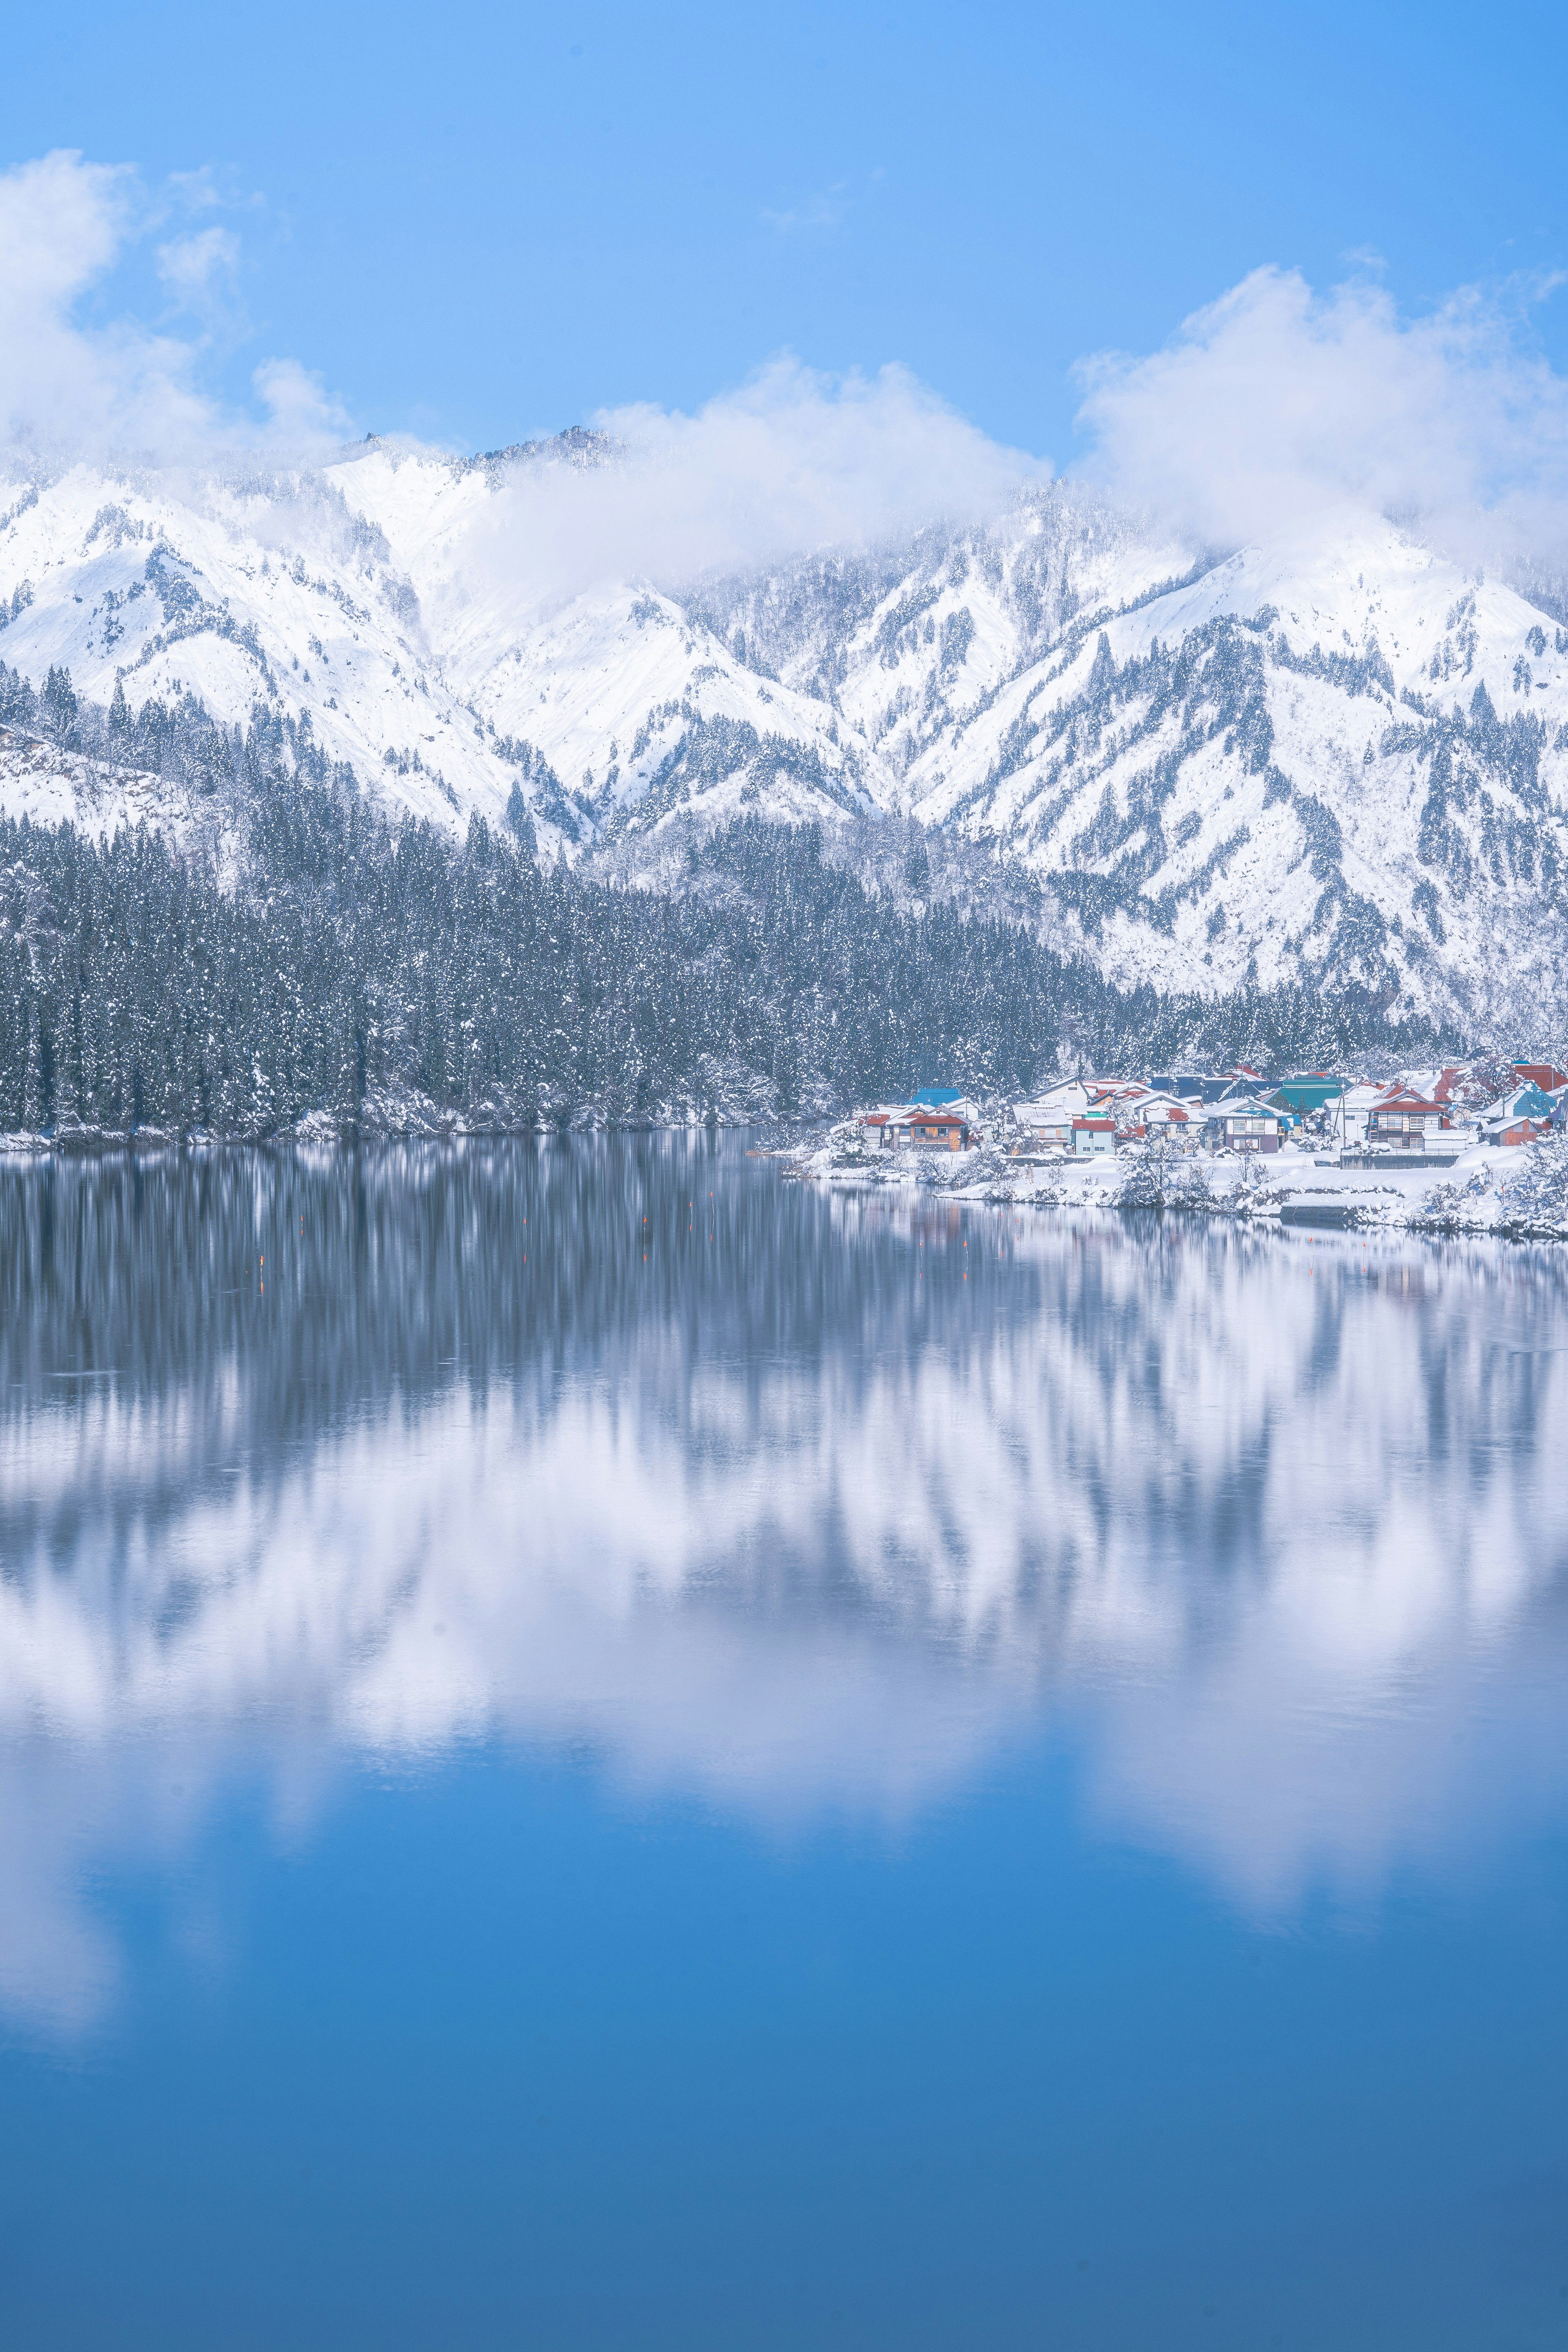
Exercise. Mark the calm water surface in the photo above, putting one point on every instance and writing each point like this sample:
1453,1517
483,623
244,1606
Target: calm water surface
597,1750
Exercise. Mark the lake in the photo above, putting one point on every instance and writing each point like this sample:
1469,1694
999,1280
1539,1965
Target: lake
599,1750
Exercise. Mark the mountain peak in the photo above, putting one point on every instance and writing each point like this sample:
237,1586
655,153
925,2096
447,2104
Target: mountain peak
1334,754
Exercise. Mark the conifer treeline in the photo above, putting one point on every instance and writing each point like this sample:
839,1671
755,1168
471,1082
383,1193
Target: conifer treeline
134,991
354,960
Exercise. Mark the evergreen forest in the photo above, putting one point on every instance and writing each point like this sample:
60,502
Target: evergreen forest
386,975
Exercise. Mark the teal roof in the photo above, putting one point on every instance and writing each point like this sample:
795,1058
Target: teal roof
1310,1091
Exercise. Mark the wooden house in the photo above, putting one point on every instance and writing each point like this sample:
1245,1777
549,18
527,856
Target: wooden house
1410,1122
1241,1123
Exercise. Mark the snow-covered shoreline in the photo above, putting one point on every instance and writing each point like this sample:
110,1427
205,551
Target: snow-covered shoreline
390,1115
1520,1194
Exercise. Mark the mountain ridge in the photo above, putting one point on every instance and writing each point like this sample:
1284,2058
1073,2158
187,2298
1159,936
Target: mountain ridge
1338,757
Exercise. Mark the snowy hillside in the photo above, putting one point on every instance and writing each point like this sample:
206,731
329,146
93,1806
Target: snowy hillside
1343,756
349,598
48,786
1340,757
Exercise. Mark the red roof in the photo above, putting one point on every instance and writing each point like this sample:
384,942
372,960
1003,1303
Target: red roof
1099,1123
935,1118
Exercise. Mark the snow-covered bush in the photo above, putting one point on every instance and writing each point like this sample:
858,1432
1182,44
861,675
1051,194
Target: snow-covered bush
1160,1180
1536,1197
1463,1205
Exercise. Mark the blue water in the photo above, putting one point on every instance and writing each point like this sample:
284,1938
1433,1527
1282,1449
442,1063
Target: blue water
805,1774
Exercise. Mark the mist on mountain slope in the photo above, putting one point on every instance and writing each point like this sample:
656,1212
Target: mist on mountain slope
1238,727
1272,405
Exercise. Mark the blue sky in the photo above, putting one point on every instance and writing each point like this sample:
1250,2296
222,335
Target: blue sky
476,223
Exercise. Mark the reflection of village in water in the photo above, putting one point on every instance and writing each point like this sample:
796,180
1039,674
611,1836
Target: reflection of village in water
804,1498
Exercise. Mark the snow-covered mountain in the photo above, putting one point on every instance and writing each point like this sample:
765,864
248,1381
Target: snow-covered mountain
1343,755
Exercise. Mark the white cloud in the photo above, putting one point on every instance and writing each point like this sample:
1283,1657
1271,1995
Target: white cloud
791,462
1275,404
298,406
64,385
63,222
190,267
821,210
1270,408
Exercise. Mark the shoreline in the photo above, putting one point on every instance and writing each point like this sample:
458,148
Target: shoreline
326,1131
1518,1194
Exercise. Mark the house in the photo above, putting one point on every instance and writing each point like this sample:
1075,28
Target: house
1458,1087
1543,1075
1192,1085
1048,1121
1408,1121
1159,1114
1046,1131
914,1123
1123,1102
1522,1116
1242,1123
1353,1106
942,1130
1093,1135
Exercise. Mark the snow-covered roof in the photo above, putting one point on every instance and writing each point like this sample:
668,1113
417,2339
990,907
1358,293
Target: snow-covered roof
1523,1102
1241,1107
1058,1102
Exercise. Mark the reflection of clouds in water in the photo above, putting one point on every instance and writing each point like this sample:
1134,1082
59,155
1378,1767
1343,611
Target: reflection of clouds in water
59,1969
1268,1519
1274,1764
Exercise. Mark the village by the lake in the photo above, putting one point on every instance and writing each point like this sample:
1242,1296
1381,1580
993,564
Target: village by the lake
1472,1146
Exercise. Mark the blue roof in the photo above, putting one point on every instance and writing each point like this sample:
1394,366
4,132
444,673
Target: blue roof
936,1098
1528,1102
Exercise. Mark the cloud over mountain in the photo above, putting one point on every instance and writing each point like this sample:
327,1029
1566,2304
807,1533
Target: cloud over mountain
68,384
1276,405
794,460
1272,406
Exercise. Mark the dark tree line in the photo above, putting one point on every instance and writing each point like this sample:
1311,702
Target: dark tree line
342,964
359,959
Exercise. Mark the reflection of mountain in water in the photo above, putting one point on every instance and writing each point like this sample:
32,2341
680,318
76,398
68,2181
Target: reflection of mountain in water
803,1499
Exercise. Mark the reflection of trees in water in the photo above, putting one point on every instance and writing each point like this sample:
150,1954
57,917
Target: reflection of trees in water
1025,1430
948,1416
804,1497
390,1268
